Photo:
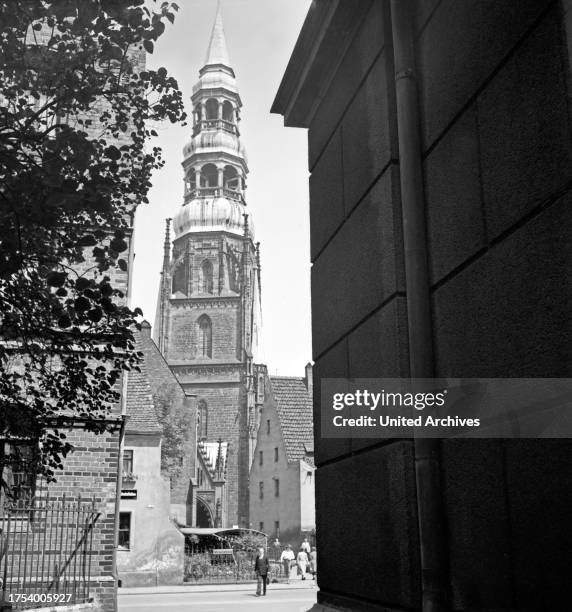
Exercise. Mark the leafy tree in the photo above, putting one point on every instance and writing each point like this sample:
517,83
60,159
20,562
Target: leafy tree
77,109
177,425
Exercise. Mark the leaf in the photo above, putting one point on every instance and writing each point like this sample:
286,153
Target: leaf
122,265
95,315
148,46
56,279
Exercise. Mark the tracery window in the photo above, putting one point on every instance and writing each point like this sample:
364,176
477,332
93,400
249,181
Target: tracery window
205,336
207,276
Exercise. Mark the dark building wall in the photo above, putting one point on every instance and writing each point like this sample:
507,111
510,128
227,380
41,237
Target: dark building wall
495,123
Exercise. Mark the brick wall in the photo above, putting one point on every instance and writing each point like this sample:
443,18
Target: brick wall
90,472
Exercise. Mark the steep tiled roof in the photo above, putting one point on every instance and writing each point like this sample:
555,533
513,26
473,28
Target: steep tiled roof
294,406
140,407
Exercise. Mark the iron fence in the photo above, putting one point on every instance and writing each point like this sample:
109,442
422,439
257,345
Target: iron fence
46,551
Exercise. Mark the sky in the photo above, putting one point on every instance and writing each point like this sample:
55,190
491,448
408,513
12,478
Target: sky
260,36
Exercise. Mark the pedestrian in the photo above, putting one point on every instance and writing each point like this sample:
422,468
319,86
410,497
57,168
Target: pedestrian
261,568
305,546
287,558
302,561
313,562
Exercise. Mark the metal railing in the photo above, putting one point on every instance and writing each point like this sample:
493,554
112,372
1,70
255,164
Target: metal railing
214,192
215,124
46,551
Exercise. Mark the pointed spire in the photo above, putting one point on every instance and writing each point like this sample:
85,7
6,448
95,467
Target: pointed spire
167,245
217,52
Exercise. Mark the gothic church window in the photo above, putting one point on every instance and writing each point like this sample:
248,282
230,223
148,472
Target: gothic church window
205,333
179,282
207,277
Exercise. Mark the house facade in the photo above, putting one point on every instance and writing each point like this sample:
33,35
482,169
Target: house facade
282,473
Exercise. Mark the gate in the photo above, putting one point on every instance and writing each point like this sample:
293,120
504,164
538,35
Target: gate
46,549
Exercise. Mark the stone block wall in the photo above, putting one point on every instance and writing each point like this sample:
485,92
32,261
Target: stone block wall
494,93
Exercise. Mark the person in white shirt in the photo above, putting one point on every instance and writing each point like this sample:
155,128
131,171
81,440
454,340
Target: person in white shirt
286,559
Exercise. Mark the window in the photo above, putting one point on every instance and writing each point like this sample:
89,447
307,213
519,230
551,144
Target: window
261,490
261,457
277,528
124,530
127,462
19,473
268,426
276,487
202,420
261,526
207,276
276,455
205,344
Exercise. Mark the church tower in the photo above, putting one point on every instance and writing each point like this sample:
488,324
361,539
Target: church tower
209,304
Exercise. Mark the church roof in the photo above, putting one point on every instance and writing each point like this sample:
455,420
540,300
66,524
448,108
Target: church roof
294,407
217,53
139,404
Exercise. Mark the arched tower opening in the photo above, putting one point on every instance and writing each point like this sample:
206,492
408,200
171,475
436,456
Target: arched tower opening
209,176
231,178
228,111
205,336
211,109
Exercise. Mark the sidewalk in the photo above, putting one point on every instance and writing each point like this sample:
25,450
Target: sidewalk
208,588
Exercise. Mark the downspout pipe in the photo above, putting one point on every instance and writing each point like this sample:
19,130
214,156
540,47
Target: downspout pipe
119,484
430,507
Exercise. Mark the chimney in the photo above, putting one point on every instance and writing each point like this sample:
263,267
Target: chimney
308,380
145,329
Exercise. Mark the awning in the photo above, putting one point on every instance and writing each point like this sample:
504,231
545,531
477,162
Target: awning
217,531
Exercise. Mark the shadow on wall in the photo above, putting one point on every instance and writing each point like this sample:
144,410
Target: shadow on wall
160,564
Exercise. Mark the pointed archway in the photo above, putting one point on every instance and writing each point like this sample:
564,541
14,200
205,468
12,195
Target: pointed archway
204,517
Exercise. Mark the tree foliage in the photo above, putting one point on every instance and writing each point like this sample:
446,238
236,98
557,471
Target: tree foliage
77,109
177,424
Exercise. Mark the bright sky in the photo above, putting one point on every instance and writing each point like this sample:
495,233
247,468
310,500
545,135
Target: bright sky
260,36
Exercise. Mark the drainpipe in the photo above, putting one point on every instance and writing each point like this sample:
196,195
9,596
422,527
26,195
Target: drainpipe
430,508
119,483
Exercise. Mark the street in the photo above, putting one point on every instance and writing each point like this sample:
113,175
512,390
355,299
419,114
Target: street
276,600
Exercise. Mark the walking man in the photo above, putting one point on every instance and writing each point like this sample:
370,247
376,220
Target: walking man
261,568
287,558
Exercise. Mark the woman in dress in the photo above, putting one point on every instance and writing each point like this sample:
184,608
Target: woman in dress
302,562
